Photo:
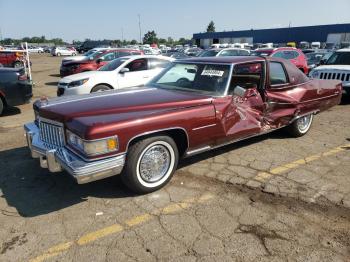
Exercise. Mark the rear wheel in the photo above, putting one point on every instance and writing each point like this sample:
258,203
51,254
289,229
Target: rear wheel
150,164
300,126
100,88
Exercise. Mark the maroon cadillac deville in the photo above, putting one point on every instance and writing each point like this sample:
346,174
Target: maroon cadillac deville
192,106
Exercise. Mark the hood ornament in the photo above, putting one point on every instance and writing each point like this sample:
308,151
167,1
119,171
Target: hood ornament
44,101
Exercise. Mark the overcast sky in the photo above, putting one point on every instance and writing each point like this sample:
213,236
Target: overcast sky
106,19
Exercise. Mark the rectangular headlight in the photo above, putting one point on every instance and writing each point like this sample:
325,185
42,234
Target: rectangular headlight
93,147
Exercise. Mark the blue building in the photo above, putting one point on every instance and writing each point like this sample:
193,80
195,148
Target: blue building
336,33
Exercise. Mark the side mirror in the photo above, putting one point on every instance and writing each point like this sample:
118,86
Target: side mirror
239,91
99,60
322,62
249,90
124,70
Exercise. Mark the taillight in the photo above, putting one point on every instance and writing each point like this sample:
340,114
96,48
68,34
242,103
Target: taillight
22,77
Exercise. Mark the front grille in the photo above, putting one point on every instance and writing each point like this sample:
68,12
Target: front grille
342,76
51,133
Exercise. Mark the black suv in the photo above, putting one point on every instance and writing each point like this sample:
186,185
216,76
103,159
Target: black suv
15,88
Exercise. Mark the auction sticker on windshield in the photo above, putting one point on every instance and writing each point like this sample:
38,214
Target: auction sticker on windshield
212,72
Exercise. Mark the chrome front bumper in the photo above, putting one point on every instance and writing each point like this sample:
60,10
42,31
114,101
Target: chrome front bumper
59,159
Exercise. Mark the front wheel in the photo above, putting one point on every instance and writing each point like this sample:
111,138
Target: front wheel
100,88
300,126
150,164
58,54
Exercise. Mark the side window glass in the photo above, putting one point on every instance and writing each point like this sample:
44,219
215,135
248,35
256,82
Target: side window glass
246,76
277,74
108,57
155,63
243,52
137,65
122,53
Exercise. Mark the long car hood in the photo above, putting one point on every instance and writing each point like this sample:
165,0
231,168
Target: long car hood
138,101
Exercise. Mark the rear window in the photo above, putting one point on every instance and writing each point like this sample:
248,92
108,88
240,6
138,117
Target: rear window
277,74
208,53
286,54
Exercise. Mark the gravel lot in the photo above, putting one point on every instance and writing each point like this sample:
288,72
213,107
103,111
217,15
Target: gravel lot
271,198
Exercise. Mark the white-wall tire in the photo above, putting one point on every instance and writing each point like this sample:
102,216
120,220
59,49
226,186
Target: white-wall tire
150,164
301,126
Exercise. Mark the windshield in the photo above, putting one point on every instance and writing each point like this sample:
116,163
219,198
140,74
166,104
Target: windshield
90,52
94,55
339,58
113,65
209,53
314,58
208,79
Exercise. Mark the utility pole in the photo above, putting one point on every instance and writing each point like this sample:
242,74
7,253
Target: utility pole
122,34
140,28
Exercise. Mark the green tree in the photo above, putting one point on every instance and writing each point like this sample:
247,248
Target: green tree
133,42
162,41
211,27
150,38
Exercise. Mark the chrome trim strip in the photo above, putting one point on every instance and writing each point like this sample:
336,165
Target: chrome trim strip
197,151
202,127
159,130
227,88
49,121
65,100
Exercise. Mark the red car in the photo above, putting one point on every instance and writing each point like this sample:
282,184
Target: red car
192,106
94,61
11,59
296,56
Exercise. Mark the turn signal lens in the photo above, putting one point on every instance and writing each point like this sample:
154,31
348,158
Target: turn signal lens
112,144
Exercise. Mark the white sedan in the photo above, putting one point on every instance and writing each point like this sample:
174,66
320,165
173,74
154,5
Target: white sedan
120,73
61,50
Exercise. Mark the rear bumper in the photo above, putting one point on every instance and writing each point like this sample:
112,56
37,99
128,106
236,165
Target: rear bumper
19,94
59,159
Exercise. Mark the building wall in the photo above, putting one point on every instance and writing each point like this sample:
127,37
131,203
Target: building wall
281,35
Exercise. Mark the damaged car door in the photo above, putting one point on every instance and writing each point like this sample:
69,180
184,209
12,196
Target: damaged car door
243,114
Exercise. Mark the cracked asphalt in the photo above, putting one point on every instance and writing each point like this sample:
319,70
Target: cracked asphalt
271,198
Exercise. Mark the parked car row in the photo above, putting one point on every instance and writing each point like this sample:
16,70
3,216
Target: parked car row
120,73
94,60
11,59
